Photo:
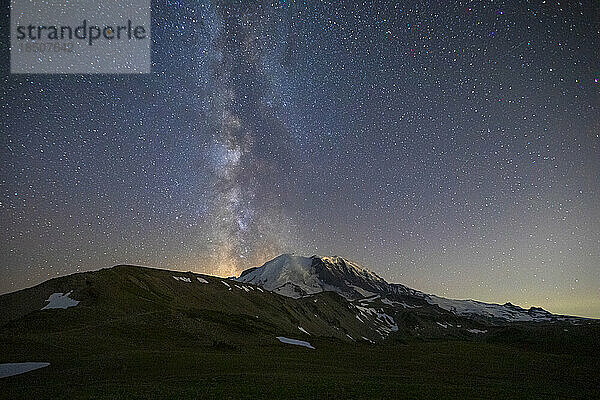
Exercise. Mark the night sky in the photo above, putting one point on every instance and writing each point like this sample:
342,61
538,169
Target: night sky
453,147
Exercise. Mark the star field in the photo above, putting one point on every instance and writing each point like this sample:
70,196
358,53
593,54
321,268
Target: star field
452,147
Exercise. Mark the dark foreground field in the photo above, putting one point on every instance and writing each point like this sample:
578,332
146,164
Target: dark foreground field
434,370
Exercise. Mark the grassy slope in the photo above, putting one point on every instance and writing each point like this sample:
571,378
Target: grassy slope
138,333
130,301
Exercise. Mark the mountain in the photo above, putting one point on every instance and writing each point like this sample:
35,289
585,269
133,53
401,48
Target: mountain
295,327
287,296
297,276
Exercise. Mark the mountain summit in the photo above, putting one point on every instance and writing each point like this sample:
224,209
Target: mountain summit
297,276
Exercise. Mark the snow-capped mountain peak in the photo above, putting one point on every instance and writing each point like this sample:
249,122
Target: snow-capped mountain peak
296,276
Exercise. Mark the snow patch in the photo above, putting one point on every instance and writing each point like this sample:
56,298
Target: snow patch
393,303
11,369
388,302
295,342
364,302
182,279
442,325
408,305
303,330
477,331
384,323
60,300
201,280
362,292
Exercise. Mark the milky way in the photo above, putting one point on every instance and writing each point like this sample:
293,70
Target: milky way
247,223
449,146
